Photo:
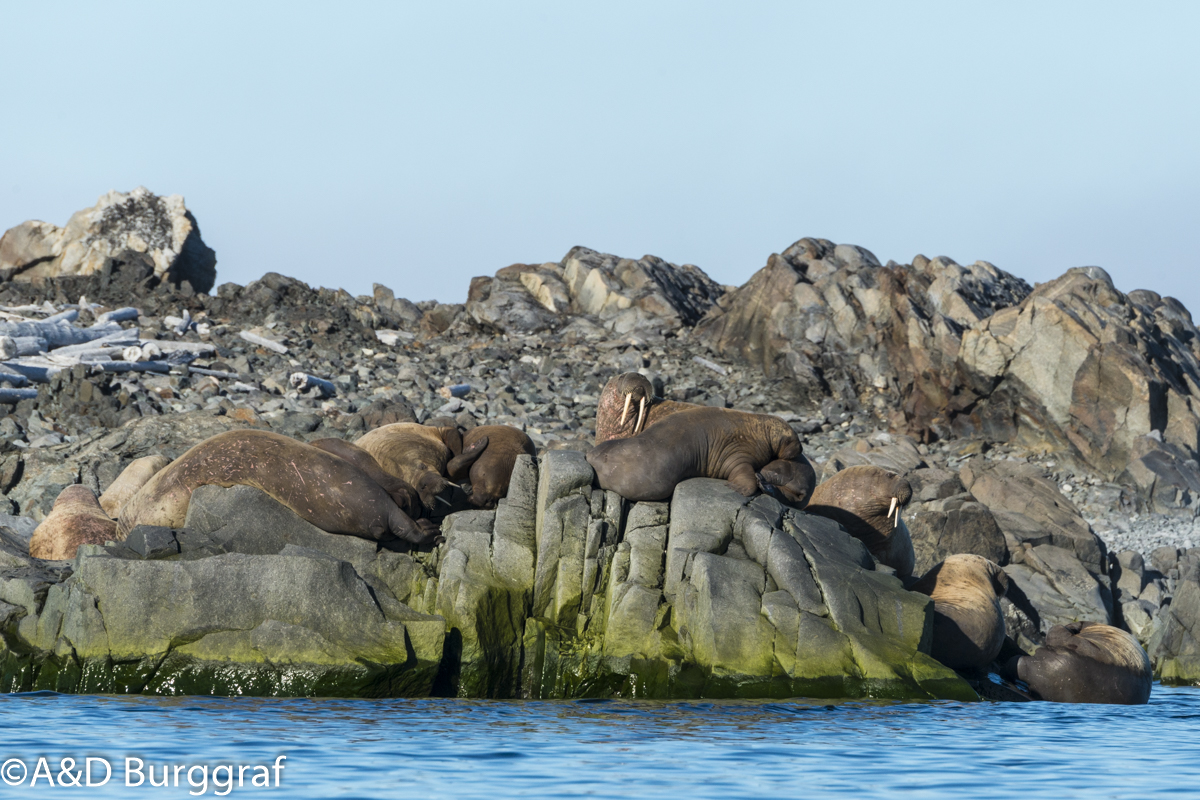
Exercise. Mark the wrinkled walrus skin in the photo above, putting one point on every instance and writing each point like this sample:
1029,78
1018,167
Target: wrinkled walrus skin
131,479
627,406
75,519
327,491
867,501
416,454
492,468
404,495
1086,662
705,443
968,625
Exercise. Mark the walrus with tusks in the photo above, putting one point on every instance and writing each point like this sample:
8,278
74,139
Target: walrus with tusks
968,625
418,454
737,446
131,479
328,491
867,501
1086,662
489,470
627,406
75,519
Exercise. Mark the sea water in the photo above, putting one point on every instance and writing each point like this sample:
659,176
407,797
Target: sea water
697,749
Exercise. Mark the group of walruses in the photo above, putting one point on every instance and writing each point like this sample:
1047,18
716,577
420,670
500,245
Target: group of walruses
389,482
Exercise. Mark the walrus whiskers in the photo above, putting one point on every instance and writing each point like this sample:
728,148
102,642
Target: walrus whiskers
625,411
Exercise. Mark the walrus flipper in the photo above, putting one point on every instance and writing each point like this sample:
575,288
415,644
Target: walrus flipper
460,465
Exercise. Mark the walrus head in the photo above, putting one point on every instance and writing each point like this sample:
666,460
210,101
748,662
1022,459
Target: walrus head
624,405
790,481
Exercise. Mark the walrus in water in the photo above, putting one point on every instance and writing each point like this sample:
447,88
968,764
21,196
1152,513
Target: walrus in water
328,491
75,519
418,454
627,406
489,470
131,479
1086,662
747,450
867,501
968,625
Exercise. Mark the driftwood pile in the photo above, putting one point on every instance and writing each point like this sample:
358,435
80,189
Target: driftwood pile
39,341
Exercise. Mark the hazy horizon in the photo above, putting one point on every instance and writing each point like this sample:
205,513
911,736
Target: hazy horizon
419,147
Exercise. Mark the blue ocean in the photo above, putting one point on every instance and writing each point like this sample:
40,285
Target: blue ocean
202,746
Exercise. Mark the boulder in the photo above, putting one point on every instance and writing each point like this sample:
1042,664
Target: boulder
138,226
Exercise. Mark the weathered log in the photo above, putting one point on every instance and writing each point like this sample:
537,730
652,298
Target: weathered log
262,341
38,373
121,338
130,366
16,395
13,378
118,315
215,373
59,333
303,381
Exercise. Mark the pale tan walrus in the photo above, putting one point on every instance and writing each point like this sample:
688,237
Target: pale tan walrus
131,479
328,491
968,625
75,519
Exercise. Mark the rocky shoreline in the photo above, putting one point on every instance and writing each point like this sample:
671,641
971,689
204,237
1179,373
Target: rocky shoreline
1085,487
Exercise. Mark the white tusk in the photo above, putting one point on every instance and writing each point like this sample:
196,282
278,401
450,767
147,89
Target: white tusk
625,411
641,415
892,510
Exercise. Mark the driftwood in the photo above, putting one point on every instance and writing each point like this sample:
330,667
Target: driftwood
215,373
262,341
121,338
303,381
118,315
161,367
38,373
13,378
16,395
59,333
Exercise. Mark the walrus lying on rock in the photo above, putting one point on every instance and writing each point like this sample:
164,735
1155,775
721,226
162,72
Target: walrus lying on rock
627,406
131,479
701,442
330,492
1086,662
418,454
489,470
867,502
968,625
75,519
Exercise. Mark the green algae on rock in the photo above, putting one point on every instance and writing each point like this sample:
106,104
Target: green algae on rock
563,591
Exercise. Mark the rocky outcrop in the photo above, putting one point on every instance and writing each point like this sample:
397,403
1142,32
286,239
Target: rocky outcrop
621,294
138,227
1111,378
831,318
564,590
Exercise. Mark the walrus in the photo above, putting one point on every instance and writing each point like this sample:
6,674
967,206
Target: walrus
75,519
968,625
489,470
743,448
627,406
867,501
1086,662
418,454
330,492
129,481
401,493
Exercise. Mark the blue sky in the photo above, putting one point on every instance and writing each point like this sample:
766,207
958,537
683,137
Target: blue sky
420,145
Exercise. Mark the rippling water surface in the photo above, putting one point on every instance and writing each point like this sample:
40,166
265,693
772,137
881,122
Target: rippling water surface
460,748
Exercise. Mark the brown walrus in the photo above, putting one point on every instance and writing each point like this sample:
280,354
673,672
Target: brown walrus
1086,662
131,479
490,470
322,488
627,406
701,442
75,519
418,454
867,502
968,625
404,495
